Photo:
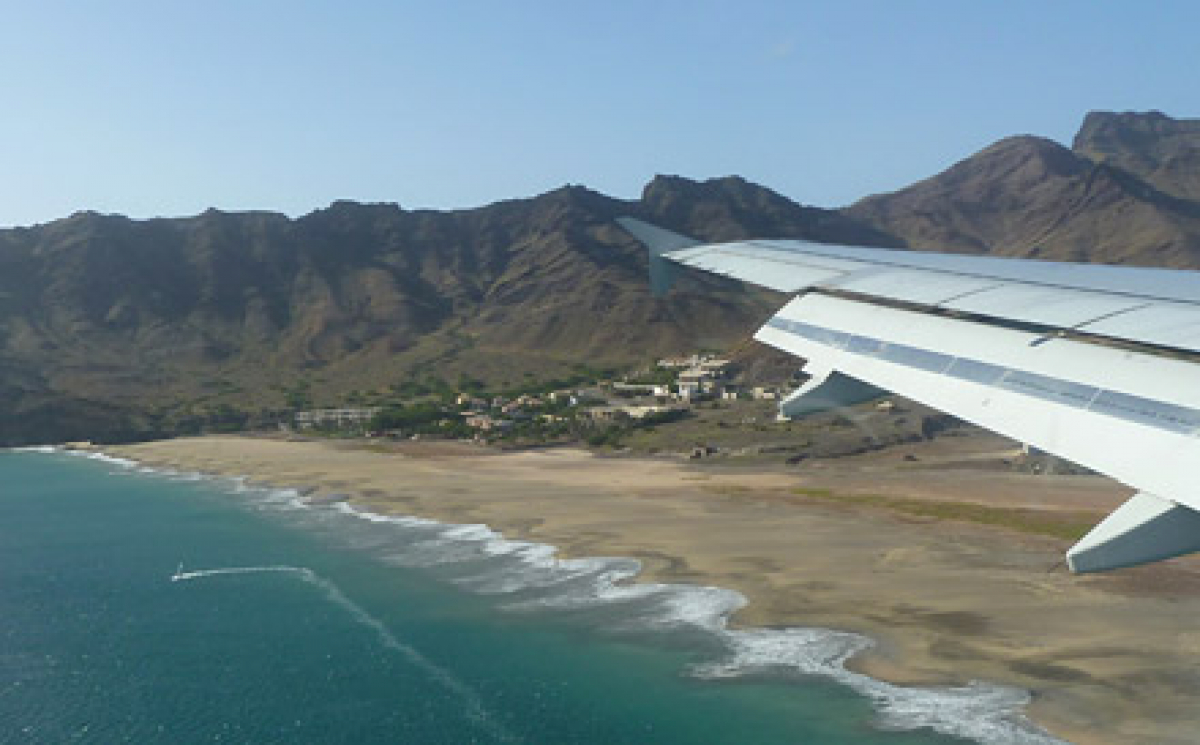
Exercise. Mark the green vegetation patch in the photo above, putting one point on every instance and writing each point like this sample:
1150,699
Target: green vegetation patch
1065,525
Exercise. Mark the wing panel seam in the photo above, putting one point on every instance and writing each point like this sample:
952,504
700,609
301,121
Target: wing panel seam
1124,406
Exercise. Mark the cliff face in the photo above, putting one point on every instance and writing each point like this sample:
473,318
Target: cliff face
113,325
1124,195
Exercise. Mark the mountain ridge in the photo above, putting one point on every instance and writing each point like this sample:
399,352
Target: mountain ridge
1162,151
115,328
168,319
1030,197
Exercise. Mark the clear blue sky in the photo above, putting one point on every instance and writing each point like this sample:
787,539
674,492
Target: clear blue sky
165,107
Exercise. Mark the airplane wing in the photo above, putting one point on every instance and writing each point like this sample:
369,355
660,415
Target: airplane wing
1097,364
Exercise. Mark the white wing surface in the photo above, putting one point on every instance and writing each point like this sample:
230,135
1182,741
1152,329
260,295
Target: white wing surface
1098,364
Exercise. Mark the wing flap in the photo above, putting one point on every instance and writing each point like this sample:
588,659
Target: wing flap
1144,529
1118,412
1173,325
917,286
1045,306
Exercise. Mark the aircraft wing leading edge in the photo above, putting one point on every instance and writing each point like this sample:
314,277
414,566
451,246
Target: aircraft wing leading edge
1096,364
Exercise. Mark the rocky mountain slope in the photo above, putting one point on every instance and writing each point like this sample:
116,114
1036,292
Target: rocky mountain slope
112,327
1162,151
1126,194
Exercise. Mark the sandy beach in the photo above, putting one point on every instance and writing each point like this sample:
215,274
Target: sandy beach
1109,658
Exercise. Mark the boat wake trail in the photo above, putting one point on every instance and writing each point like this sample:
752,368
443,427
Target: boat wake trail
470,700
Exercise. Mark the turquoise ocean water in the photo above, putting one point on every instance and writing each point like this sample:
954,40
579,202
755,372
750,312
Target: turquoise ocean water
297,623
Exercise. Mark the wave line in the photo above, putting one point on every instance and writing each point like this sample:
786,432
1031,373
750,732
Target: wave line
474,705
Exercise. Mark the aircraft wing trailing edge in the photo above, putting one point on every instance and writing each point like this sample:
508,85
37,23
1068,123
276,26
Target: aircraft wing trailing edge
1097,364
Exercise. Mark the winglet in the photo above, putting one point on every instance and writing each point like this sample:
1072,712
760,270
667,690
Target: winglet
659,241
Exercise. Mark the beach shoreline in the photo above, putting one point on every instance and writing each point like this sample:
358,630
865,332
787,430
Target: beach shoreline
1106,658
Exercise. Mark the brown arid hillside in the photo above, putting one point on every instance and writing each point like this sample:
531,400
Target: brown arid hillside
1162,151
1124,195
112,328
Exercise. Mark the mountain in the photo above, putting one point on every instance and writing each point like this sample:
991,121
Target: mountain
113,328
1162,151
1124,195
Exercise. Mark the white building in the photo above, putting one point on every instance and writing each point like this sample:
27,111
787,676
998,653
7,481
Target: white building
345,417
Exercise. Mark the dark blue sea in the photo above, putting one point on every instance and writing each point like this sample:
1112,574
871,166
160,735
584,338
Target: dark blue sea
149,607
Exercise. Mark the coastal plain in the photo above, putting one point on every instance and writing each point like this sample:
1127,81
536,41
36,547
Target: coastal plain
949,597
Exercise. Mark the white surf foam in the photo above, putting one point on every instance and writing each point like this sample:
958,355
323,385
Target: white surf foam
103,458
979,711
74,453
349,509
983,712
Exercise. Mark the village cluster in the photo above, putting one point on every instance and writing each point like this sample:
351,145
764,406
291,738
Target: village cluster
665,391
